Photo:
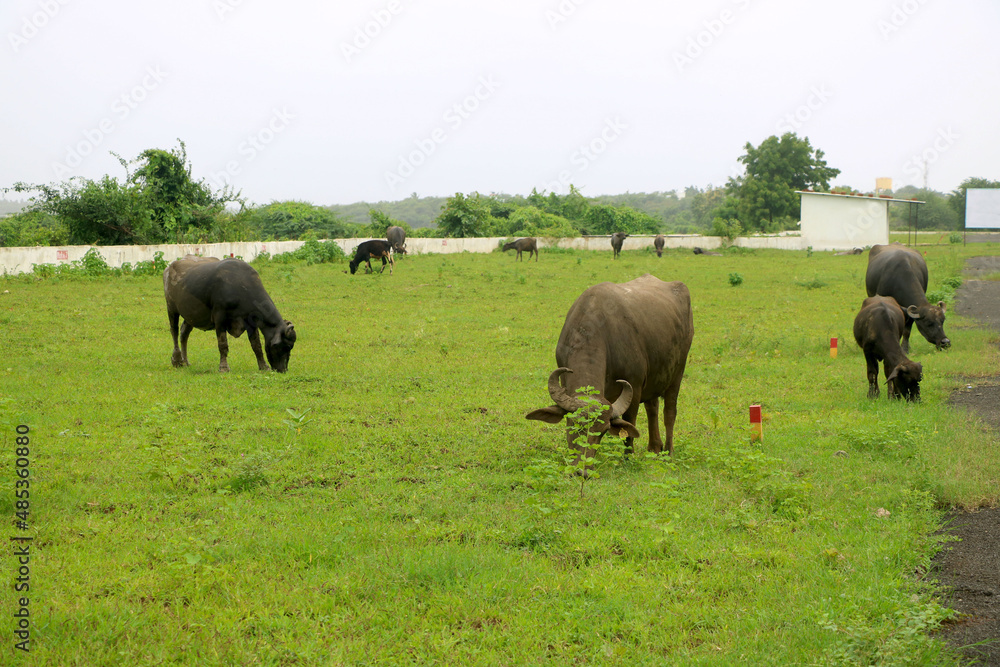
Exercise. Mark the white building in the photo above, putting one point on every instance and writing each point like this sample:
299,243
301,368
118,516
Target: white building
842,222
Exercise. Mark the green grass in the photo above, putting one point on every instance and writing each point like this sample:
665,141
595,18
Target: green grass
386,502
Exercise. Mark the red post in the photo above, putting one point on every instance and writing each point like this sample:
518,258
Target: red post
756,428
833,347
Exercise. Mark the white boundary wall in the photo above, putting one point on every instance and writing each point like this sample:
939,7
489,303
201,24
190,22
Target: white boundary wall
21,260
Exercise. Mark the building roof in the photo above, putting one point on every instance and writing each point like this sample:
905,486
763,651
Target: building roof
874,197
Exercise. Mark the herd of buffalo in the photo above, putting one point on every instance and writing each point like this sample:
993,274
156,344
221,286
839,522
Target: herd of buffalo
627,341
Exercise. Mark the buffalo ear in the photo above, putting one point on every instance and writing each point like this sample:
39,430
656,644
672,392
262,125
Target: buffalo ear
289,333
622,425
550,415
941,305
912,311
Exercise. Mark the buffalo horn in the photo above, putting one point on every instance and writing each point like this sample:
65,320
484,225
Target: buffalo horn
619,407
559,395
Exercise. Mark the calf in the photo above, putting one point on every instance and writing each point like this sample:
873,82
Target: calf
521,245
373,249
877,330
658,244
617,239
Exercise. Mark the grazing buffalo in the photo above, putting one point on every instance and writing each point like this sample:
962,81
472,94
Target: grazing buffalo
897,271
617,239
521,245
373,249
877,329
630,342
658,244
397,239
227,297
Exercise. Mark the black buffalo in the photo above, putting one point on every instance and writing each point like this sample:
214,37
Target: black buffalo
658,244
227,297
617,239
630,342
397,239
899,272
374,249
877,329
700,251
528,245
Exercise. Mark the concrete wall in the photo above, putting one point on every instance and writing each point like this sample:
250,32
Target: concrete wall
20,260
842,222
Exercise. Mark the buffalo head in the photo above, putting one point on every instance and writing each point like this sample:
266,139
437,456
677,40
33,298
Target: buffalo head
278,346
565,404
930,323
904,380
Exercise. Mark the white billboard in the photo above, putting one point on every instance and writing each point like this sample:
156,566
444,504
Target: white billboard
982,208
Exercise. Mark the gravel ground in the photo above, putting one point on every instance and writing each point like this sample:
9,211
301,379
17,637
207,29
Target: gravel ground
969,569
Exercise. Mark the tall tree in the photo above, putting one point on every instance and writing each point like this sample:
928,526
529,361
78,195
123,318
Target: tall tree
773,172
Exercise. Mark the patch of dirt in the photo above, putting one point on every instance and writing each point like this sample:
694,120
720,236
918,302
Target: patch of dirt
969,569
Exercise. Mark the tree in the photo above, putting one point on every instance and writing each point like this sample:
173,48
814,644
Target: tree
157,202
957,198
773,172
463,217
291,220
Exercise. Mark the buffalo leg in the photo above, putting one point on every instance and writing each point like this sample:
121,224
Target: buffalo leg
670,410
176,358
905,343
185,332
223,336
652,416
255,345
890,388
872,362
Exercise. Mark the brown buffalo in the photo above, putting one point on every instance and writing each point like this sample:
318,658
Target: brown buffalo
658,244
617,239
227,297
877,329
630,342
528,245
897,271
396,236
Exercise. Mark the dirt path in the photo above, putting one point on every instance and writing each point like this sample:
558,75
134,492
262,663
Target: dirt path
969,569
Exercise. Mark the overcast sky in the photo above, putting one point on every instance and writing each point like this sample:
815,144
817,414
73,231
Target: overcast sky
335,103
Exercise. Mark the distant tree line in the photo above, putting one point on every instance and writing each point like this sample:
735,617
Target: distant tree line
158,201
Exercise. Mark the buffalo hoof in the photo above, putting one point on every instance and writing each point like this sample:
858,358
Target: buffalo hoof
223,369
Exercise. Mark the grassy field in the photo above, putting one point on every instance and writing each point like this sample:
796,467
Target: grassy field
386,502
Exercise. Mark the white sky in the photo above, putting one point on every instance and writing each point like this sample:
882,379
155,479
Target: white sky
286,101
